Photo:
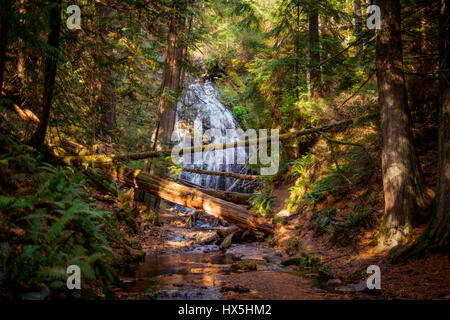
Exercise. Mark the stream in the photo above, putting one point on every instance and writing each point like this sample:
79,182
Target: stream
181,268
187,261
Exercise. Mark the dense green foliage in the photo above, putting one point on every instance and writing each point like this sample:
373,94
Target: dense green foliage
48,223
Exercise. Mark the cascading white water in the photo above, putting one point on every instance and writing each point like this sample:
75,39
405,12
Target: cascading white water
201,103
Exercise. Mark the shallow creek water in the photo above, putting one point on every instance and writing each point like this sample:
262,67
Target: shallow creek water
183,270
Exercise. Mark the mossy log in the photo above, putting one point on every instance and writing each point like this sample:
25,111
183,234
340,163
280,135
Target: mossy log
108,158
189,197
222,174
235,197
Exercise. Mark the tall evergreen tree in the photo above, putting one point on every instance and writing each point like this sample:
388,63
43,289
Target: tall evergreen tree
402,179
51,62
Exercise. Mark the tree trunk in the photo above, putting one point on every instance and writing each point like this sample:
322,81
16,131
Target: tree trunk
171,85
4,32
401,173
107,103
420,88
438,229
104,158
21,50
313,73
172,78
50,73
297,52
223,174
235,197
358,27
192,198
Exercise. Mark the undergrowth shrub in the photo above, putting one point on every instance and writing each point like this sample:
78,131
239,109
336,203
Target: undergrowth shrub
324,221
308,263
263,201
344,233
47,223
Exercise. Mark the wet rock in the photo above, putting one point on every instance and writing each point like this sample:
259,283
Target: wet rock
127,281
244,266
362,288
236,288
291,262
210,239
324,275
311,275
224,232
235,267
249,266
235,258
226,243
346,289
334,282
259,236
35,295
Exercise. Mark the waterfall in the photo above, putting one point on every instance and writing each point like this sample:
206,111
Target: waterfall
200,104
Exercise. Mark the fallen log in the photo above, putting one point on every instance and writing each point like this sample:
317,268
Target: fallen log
108,158
223,174
23,114
194,199
188,197
235,197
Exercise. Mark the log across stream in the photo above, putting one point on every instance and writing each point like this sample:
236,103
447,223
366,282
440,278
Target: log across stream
191,198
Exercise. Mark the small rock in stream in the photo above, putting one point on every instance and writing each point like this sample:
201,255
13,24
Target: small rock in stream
236,288
334,282
128,281
346,289
362,288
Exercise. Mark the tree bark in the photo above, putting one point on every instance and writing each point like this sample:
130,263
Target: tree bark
49,73
191,198
401,173
313,72
438,229
223,174
103,158
5,5
21,50
107,101
358,27
297,52
171,84
235,197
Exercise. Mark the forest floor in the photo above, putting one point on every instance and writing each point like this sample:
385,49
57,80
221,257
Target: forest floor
425,278
186,262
